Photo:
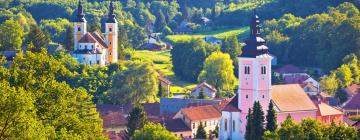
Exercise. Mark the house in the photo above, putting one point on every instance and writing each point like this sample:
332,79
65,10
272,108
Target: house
208,90
174,105
205,20
312,81
114,117
213,40
92,47
352,90
165,85
310,89
208,116
352,106
178,128
332,101
327,114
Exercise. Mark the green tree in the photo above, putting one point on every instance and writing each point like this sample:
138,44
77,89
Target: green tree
11,34
69,39
271,124
136,120
231,46
67,112
249,133
153,132
353,63
258,121
160,92
289,130
38,38
200,132
201,94
218,71
329,83
312,129
160,22
344,75
137,84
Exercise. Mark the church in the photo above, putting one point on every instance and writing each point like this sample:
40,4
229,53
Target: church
94,47
255,85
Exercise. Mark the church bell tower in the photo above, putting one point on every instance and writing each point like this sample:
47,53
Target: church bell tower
111,35
79,25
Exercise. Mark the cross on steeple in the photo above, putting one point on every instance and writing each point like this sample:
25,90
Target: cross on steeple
80,17
111,18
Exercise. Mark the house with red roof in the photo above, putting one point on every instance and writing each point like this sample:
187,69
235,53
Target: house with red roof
327,114
209,90
352,106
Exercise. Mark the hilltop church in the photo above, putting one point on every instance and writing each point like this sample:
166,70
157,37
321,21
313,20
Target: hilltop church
94,47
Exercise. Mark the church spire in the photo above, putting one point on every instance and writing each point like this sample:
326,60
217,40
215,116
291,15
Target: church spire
80,17
111,18
255,44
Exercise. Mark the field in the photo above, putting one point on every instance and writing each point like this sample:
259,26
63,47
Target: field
218,34
162,62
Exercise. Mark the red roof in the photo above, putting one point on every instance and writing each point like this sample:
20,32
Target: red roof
93,37
326,110
353,103
202,112
206,85
289,69
87,38
353,89
113,120
233,105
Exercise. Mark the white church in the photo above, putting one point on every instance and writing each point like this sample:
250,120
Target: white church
94,47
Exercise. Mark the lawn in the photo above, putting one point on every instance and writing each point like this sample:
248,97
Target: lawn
217,33
162,62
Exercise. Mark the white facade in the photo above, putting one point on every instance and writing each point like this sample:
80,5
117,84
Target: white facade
230,126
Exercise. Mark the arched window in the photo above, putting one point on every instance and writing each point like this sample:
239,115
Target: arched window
233,125
110,29
226,125
263,70
79,29
247,70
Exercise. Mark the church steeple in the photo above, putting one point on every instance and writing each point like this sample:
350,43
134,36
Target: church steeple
80,17
111,18
255,44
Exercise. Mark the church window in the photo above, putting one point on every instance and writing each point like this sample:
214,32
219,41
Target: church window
193,125
263,96
233,125
247,70
85,46
110,43
98,62
92,46
90,62
225,125
181,135
79,29
247,96
263,70
110,29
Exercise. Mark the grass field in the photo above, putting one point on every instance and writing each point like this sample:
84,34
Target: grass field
162,62
218,34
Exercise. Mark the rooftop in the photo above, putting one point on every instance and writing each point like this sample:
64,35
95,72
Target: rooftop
327,110
202,112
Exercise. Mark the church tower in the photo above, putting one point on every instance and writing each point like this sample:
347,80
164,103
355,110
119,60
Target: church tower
79,25
254,72
111,35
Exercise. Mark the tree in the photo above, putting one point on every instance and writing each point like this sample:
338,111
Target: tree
329,83
11,34
160,92
215,132
38,38
201,94
137,84
200,132
218,71
136,120
232,47
344,75
353,63
69,39
249,133
66,112
160,22
258,121
153,132
289,130
271,124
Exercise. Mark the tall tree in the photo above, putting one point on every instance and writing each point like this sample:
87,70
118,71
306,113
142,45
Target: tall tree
249,133
271,124
137,84
153,132
232,46
218,71
136,120
38,38
11,34
258,121
69,39
160,22
200,132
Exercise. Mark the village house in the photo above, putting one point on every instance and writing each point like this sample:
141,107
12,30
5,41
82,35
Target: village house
178,128
208,116
165,85
327,114
310,89
170,106
207,89
352,106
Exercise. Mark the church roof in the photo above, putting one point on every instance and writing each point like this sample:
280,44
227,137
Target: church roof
255,44
291,98
204,84
233,105
93,37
